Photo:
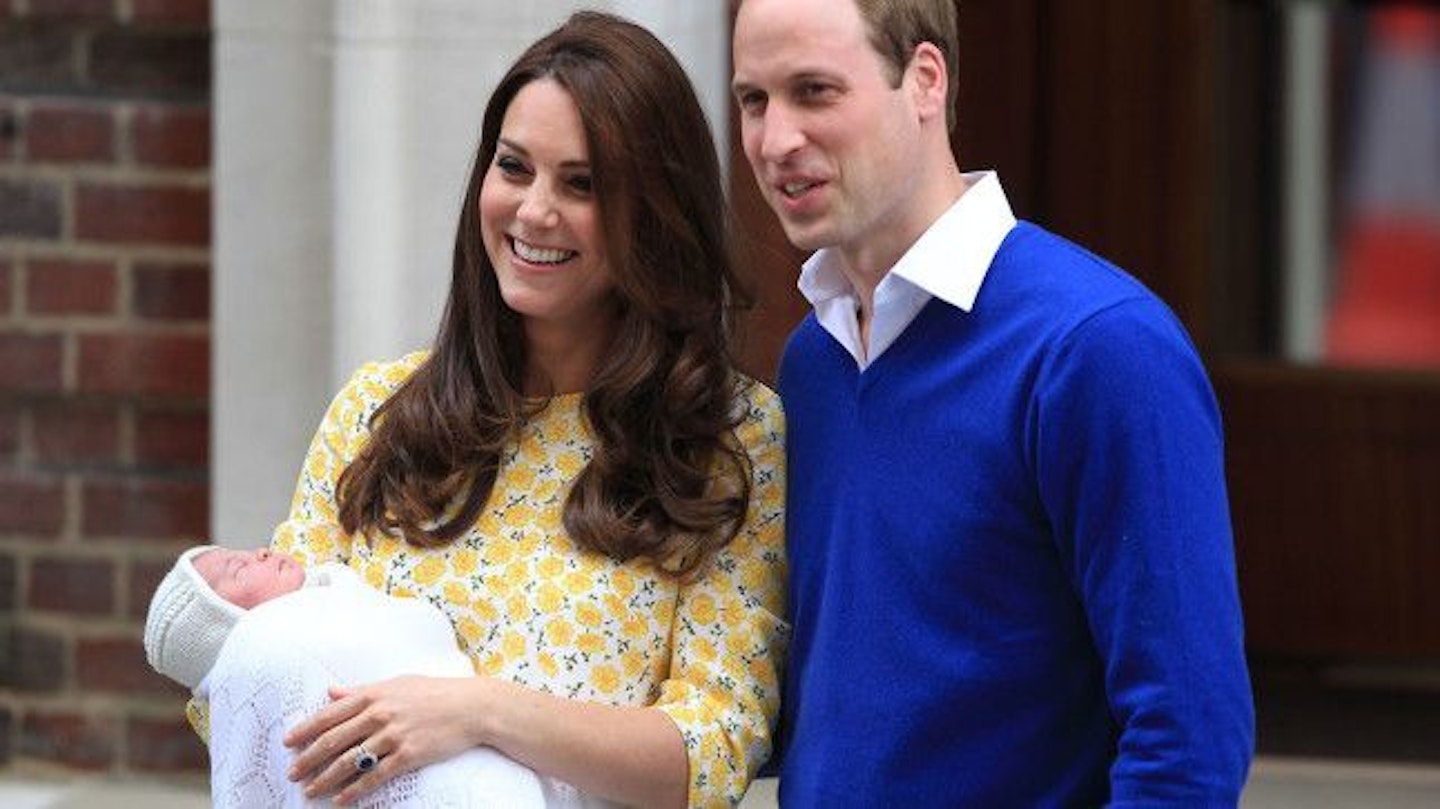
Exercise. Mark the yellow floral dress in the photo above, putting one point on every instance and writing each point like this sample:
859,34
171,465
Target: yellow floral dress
529,606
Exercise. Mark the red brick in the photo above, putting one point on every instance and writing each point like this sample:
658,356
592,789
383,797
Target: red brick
77,586
171,136
70,134
172,438
151,62
9,431
75,740
30,363
170,215
6,284
189,12
35,660
165,746
30,208
72,9
61,287
31,506
172,292
8,591
118,666
174,365
147,508
144,578
70,433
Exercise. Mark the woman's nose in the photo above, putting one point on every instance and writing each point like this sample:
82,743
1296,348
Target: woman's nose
538,208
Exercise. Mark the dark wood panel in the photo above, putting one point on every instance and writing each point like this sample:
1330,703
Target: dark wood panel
1335,492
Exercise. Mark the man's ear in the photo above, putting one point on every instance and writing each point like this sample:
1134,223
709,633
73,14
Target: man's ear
929,80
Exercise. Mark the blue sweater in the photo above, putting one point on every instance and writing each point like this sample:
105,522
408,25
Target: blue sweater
1012,573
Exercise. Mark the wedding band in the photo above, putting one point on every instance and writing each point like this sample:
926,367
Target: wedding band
365,760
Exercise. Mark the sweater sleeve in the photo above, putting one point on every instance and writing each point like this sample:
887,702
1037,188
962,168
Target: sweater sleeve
1131,469
728,637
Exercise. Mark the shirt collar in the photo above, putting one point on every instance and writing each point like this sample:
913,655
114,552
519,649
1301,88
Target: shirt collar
949,260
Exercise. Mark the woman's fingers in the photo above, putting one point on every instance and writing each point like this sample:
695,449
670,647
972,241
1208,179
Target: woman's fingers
338,711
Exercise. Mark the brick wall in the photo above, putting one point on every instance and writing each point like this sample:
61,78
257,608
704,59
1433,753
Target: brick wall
104,371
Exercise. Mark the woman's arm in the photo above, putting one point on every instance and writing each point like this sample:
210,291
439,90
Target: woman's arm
627,754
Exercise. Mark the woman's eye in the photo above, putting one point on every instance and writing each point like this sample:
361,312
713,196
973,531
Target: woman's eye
583,185
510,165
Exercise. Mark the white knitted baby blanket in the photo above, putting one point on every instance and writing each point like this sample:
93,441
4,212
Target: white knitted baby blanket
274,670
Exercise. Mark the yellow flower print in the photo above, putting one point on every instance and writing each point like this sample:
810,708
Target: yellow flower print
560,632
591,643
548,664
550,567
754,574
491,664
622,582
517,608
375,576
732,612
633,662
498,552
469,630
401,591
513,645
485,611
519,515
588,615
523,477
517,573
635,628
703,650
456,593
429,571
464,562
702,609
570,464
762,671
549,598
578,581
605,679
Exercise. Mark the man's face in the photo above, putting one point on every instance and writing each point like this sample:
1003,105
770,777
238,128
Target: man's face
248,578
834,146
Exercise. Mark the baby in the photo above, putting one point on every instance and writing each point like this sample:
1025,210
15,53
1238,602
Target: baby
261,639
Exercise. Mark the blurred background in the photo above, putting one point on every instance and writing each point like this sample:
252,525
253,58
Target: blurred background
211,211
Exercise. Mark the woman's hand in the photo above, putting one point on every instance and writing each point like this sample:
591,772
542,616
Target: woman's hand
407,722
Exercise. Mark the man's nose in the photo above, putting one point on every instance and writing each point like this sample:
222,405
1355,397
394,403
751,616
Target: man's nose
780,134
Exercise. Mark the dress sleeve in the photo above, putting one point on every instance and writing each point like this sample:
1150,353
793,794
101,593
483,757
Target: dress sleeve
312,531
729,635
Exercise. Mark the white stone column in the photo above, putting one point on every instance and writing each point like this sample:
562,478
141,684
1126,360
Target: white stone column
344,132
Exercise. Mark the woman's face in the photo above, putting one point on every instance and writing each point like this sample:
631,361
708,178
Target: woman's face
540,219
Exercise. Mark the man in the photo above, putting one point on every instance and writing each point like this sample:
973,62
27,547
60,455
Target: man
1012,573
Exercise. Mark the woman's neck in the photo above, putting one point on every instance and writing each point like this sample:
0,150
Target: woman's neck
563,360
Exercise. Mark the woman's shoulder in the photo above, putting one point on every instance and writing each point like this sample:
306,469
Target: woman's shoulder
376,381
758,405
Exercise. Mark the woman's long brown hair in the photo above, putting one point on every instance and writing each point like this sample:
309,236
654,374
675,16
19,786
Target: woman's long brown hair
667,480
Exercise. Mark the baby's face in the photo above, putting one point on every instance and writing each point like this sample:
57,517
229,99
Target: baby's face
248,578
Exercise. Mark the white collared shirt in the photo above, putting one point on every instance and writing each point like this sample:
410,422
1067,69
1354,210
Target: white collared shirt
948,261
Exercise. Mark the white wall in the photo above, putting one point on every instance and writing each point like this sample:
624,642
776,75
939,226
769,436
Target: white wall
343,134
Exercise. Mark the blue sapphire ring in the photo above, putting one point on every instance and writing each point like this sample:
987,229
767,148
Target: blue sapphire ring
365,760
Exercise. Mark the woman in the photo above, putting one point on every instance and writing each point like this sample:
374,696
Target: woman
575,472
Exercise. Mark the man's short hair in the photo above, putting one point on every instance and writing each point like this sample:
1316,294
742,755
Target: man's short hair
897,26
